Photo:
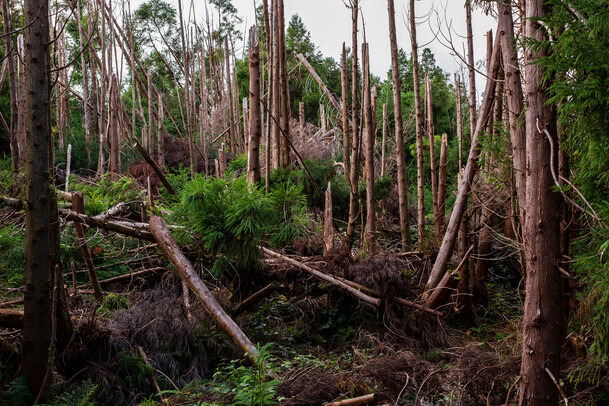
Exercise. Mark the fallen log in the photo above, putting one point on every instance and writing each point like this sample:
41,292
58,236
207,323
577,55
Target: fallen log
187,272
395,299
360,400
12,303
114,211
255,297
324,277
447,285
125,277
12,202
11,318
106,225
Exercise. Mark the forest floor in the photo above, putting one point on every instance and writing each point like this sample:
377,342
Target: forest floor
145,344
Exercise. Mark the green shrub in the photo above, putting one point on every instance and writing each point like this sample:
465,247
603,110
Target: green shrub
12,260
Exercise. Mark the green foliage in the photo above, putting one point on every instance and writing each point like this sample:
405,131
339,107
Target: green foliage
113,302
81,396
238,165
18,393
107,193
12,260
250,385
228,218
135,370
291,214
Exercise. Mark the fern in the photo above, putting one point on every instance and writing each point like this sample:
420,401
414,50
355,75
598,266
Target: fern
18,393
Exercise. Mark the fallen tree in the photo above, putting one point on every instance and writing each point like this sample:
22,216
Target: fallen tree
106,225
186,271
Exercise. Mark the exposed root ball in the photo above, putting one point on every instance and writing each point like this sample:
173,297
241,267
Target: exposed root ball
383,273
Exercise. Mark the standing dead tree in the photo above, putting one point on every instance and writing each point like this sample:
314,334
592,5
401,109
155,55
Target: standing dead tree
452,229
255,119
399,132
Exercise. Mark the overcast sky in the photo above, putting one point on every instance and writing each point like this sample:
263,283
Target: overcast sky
329,23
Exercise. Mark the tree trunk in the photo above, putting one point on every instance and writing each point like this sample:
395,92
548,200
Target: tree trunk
21,130
328,222
370,141
432,158
344,80
515,101
78,205
419,124
355,140
459,122
37,298
10,52
452,229
187,272
232,142
275,91
285,91
471,68
255,119
161,134
399,132
542,319
442,183
85,85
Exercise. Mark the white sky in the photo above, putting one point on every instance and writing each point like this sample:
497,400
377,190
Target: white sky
329,23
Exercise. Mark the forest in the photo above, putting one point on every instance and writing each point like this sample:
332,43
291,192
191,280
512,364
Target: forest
200,210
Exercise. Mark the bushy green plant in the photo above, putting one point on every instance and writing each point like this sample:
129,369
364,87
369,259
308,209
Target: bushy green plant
18,393
237,166
227,218
81,396
291,218
250,385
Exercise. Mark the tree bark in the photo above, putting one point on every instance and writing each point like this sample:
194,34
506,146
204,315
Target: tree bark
399,132
275,92
442,183
370,143
328,222
515,101
285,91
471,68
255,119
432,158
542,318
21,130
355,140
452,229
459,123
37,299
10,52
419,124
344,81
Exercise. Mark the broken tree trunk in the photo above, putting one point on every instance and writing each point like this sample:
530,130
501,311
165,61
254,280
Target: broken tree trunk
187,272
448,242
321,84
448,284
78,205
399,132
442,183
70,215
432,157
328,222
344,80
255,119
419,131
327,278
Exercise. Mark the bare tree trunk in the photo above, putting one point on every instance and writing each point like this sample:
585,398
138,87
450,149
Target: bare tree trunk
344,80
459,122
354,176
246,115
432,158
301,119
114,102
275,91
370,206
419,123
384,142
542,308
322,118
21,131
471,68
150,115
328,222
37,297
442,183
448,243
285,94
232,143
85,85
10,53
399,132
255,119
515,101
161,134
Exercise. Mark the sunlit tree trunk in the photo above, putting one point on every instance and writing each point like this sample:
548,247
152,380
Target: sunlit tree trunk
542,320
